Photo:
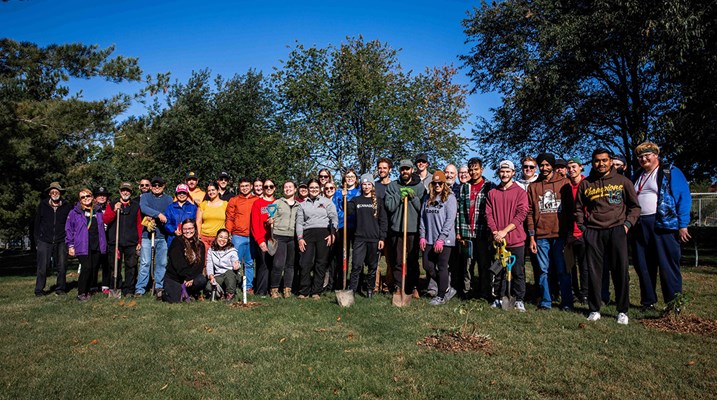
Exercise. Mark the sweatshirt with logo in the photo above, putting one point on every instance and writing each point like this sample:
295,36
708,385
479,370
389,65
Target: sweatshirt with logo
607,201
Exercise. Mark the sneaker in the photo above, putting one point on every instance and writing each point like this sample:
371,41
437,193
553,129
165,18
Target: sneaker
301,296
449,293
648,308
437,301
622,319
315,296
594,316
431,293
566,308
520,306
496,304
83,297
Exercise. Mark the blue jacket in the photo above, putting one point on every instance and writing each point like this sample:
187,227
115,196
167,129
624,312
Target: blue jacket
175,215
674,200
338,200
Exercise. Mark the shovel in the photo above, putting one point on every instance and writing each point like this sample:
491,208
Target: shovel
243,282
344,297
271,244
507,302
114,293
400,299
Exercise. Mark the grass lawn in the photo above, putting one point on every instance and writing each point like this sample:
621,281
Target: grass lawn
55,347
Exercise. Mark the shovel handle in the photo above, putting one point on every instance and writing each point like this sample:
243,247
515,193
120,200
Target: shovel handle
405,239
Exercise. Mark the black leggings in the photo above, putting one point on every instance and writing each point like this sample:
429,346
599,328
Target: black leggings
89,265
314,259
173,289
283,262
364,253
436,265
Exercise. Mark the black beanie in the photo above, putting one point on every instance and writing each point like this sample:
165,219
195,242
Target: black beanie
546,157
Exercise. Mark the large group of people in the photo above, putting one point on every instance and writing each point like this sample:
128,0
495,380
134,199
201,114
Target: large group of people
574,229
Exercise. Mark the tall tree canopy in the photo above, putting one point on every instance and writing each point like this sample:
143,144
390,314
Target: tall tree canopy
353,104
45,134
575,74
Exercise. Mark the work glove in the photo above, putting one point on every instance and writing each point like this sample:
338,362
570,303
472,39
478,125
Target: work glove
407,192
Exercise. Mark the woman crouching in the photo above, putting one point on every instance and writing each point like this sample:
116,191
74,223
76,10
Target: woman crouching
223,265
185,265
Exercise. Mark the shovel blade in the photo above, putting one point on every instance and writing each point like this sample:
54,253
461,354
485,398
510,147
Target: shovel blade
401,300
345,298
507,303
114,294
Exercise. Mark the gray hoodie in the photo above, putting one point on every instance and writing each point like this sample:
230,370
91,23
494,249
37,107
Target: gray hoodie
317,213
221,261
285,217
438,220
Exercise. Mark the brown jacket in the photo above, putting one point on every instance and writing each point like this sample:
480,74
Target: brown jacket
547,218
607,201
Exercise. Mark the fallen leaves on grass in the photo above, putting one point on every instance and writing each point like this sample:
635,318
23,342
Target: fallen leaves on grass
249,304
129,304
455,342
689,323
94,341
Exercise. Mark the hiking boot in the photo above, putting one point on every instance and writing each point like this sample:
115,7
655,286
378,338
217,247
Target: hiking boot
437,301
496,304
520,306
449,294
648,308
287,293
301,296
415,294
83,297
274,293
622,319
369,294
315,296
594,316
158,293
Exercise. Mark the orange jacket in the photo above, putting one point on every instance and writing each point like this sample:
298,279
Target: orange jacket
238,220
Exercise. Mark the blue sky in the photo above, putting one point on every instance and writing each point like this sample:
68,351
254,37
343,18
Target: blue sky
231,37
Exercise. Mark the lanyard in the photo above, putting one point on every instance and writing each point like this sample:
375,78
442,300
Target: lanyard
643,180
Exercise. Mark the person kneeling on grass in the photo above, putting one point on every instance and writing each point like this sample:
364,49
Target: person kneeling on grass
184,268
223,265
505,211
438,234
371,228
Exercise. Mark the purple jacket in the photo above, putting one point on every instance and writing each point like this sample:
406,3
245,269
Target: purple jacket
76,231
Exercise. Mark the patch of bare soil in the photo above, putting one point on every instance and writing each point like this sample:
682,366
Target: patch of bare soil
456,342
683,324
249,304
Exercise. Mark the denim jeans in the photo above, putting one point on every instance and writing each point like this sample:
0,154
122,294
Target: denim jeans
243,246
145,259
550,252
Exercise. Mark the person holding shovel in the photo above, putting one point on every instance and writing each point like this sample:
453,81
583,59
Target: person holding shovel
370,234
153,205
185,266
86,240
505,211
316,223
126,238
438,235
335,271
283,225
408,185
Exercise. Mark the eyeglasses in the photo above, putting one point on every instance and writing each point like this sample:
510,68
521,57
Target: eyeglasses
187,229
269,186
323,176
329,188
528,166
87,196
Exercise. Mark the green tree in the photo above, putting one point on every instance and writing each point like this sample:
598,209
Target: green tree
578,74
46,134
352,104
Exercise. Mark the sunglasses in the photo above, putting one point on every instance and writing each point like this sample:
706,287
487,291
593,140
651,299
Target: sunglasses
144,185
323,176
329,188
269,186
157,185
86,196
437,183
222,179
528,166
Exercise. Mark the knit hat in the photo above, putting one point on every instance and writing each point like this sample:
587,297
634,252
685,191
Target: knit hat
367,178
439,176
560,163
546,157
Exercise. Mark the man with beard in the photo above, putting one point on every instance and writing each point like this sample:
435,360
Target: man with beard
128,241
451,178
153,205
548,224
383,167
225,192
473,230
413,189
197,194
606,207
619,162
49,232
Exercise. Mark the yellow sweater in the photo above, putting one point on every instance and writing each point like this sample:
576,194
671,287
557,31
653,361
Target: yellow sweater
212,218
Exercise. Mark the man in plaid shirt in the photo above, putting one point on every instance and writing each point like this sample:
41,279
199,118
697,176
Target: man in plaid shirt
472,230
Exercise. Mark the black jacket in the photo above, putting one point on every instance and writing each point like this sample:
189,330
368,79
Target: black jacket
50,222
178,269
130,233
368,227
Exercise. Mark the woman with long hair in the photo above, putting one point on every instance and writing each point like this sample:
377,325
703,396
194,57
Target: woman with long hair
86,240
223,264
316,230
185,264
352,190
438,234
325,177
211,215
371,229
283,224
261,232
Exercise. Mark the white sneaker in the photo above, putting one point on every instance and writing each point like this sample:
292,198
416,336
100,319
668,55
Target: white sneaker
622,319
594,316
520,306
496,304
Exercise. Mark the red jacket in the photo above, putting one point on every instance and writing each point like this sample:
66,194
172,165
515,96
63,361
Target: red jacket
259,215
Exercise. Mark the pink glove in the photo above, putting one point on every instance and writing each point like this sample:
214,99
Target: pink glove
438,246
422,243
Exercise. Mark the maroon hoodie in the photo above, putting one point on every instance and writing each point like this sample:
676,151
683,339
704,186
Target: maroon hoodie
508,206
